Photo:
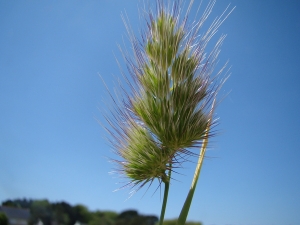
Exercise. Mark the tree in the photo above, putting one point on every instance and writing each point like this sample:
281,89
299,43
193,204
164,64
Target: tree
131,217
3,219
174,222
110,216
9,203
18,203
63,213
81,213
128,214
103,218
41,209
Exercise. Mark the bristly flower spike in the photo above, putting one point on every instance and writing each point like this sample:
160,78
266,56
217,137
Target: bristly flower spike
167,112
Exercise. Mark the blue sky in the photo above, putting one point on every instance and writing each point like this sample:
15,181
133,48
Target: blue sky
51,146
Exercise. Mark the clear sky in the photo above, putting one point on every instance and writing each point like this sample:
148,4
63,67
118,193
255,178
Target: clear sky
51,146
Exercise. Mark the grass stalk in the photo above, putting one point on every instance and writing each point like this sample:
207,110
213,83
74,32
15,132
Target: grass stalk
164,205
165,199
186,207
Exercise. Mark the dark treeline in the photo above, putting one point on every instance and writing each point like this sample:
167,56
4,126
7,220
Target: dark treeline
62,213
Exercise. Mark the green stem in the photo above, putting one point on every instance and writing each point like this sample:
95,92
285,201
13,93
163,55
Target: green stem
166,193
186,207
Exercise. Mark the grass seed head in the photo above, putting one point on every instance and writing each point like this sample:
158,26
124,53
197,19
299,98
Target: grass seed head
169,107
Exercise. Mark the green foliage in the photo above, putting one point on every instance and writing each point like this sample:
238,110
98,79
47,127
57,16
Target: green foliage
131,217
62,213
41,209
82,214
129,214
18,203
3,219
174,222
103,218
110,215
10,203
99,221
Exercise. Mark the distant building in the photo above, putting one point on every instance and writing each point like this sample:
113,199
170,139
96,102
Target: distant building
16,216
40,222
79,223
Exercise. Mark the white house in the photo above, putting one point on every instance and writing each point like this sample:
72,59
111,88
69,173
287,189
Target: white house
16,216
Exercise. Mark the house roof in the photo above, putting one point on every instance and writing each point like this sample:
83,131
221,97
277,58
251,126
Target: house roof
15,213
